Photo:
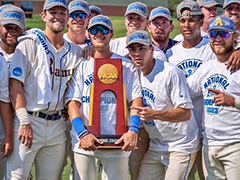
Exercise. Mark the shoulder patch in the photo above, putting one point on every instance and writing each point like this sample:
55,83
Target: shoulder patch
17,71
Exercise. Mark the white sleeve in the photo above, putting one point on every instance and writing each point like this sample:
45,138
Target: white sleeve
194,84
20,65
132,82
75,85
178,90
4,78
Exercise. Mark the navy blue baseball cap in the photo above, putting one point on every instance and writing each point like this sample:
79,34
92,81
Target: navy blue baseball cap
223,23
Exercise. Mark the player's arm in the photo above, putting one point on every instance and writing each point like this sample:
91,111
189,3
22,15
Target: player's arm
175,115
25,132
87,139
130,138
233,62
6,114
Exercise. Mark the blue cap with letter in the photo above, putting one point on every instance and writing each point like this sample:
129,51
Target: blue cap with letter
222,23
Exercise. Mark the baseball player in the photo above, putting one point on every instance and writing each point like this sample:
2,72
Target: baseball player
6,132
167,117
136,18
221,137
209,10
42,64
79,15
88,159
231,8
189,55
11,28
160,26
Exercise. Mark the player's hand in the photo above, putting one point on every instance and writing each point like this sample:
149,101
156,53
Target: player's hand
25,134
130,141
65,114
234,61
145,113
87,52
88,142
221,98
7,146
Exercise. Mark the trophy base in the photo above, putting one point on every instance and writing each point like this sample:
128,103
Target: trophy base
108,142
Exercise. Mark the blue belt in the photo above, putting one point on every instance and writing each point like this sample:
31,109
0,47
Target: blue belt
40,114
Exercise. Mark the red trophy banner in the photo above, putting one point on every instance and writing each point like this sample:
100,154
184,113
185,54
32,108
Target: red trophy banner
108,79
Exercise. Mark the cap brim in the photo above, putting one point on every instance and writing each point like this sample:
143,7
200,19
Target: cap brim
135,12
8,21
152,18
219,28
211,4
89,26
138,42
79,9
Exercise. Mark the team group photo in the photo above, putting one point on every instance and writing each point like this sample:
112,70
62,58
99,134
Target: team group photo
153,94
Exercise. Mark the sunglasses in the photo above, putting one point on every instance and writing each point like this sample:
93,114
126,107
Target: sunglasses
94,30
221,33
74,15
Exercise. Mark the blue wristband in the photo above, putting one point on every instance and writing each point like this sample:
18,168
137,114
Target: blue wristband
78,125
134,123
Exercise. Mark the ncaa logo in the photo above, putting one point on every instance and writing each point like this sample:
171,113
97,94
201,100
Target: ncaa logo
17,71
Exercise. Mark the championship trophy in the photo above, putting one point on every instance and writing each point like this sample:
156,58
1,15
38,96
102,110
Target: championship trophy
108,78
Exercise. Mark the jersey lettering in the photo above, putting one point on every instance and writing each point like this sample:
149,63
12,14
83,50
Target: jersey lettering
189,66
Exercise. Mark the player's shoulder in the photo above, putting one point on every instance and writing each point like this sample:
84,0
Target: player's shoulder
125,60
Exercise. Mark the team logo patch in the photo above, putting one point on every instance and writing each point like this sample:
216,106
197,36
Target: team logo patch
17,71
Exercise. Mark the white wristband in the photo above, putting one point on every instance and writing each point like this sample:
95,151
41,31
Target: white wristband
237,103
22,115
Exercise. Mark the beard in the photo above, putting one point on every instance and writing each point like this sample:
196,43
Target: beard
11,43
224,50
56,28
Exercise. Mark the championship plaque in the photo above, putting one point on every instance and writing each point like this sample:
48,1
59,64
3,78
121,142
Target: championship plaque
108,101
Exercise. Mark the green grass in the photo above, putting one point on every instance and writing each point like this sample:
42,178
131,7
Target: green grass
119,31
118,25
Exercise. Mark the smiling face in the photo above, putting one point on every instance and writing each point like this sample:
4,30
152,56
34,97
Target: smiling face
135,22
222,45
55,18
99,40
9,34
160,28
78,24
233,11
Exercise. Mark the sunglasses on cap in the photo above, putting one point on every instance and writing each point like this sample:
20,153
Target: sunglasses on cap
81,15
103,30
221,33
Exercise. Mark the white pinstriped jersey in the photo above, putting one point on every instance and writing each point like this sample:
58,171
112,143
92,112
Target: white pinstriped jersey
189,60
118,46
61,64
165,88
221,123
4,93
80,45
79,90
